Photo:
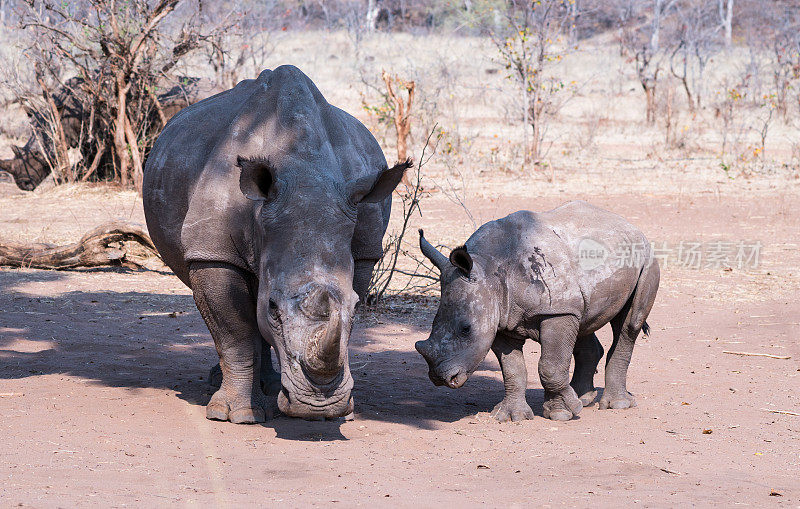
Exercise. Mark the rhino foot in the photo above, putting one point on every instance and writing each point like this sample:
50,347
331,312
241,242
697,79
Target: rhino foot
562,406
225,407
512,410
617,401
588,398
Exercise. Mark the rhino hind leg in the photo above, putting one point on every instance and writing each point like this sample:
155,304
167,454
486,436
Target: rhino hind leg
626,327
588,352
362,275
223,294
270,378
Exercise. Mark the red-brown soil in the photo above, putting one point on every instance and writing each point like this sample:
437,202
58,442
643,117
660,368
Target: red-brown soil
103,386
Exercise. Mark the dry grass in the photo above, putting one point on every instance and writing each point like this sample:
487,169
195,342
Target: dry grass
598,135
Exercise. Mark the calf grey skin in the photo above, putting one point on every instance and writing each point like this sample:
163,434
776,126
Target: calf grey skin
271,204
522,277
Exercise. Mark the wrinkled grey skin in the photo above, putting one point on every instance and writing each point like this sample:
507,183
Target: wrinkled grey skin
520,278
29,165
271,205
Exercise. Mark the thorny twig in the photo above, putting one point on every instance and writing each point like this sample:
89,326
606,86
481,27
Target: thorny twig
387,267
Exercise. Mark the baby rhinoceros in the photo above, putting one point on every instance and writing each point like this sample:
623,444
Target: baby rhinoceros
555,277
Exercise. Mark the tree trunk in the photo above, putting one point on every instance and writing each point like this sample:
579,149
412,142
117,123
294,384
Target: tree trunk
371,18
654,38
650,94
526,115
120,147
726,19
574,13
133,144
61,166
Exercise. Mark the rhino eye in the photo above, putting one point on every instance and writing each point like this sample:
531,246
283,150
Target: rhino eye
466,329
273,309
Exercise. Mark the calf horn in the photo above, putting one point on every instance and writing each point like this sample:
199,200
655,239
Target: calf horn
431,253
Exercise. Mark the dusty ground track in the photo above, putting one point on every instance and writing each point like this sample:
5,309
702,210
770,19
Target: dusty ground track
103,385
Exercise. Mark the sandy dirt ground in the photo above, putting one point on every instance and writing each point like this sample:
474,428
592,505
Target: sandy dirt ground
103,382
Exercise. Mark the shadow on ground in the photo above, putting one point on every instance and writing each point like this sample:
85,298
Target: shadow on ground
135,340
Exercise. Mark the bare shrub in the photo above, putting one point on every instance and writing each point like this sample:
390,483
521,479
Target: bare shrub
120,57
786,68
680,122
695,44
729,119
242,49
763,120
421,276
586,134
529,45
641,42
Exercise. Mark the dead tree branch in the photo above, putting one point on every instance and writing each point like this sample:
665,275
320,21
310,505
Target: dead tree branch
104,245
387,267
402,114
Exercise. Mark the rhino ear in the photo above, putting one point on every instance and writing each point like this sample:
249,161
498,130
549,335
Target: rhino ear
461,260
371,190
257,177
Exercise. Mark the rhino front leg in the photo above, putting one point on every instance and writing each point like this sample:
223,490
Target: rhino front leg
514,407
270,378
558,335
223,295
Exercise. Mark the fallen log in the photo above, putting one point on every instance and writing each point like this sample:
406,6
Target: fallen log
108,244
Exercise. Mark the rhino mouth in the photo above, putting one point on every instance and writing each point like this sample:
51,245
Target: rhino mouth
436,379
311,401
445,372
453,378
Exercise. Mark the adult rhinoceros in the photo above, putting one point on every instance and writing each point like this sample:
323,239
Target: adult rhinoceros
271,204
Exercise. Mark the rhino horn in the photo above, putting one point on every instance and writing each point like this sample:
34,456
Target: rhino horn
324,349
431,253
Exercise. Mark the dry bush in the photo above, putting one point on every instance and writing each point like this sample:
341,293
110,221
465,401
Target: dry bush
586,135
100,80
680,121
420,276
401,112
240,50
529,45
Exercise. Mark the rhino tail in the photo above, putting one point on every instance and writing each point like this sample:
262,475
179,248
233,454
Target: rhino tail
646,330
